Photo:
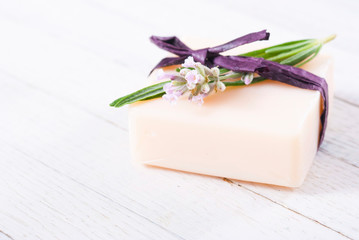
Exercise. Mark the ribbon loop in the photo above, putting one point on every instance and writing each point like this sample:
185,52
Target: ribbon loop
249,38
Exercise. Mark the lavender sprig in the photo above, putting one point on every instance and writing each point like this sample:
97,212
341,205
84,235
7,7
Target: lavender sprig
193,78
202,80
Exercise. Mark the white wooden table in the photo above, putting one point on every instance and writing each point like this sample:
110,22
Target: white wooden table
66,172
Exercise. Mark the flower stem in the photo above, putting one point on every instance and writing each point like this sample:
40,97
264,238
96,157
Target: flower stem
241,83
235,75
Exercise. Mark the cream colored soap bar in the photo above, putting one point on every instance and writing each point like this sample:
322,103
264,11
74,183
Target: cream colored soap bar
266,132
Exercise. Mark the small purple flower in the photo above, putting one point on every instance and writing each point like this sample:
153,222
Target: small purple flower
183,72
215,71
198,82
193,78
220,86
205,88
169,88
198,98
247,78
189,63
163,75
173,97
173,92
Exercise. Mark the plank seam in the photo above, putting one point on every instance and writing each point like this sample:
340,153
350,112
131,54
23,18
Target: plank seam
170,232
108,198
6,234
65,100
283,206
339,158
346,101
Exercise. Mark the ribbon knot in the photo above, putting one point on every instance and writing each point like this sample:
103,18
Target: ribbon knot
206,56
201,55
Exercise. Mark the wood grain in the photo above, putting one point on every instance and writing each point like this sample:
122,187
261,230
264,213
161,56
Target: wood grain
64,154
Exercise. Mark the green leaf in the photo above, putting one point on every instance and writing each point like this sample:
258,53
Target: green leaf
223,70
310,58
256,53
287,54
300,56
146,93
282,48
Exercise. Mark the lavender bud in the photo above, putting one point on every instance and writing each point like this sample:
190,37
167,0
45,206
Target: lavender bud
205,88
215,71
184,71
247,78
220,86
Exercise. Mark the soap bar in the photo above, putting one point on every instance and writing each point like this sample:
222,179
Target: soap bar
265,132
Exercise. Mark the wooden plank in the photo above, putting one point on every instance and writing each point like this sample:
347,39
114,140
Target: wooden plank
329,195
40,203
53,57
342,140
5,236
104,28
77,90
63,176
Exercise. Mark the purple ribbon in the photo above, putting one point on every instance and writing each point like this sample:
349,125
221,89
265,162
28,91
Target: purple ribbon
271,70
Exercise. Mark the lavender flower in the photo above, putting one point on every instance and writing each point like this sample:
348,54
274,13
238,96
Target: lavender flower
162,75
183,72
193,78
220,86
247,78
189,63
215,71
198,98
205,88
197,80
173,92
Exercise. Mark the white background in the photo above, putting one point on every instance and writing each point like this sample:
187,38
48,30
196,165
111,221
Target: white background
65,167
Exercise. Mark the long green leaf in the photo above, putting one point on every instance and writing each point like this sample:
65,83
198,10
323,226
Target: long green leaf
288,45
283,48
300,56
146,93
287,54
310,58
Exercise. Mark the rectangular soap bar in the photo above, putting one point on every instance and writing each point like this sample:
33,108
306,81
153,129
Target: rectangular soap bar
266,132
